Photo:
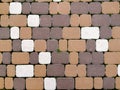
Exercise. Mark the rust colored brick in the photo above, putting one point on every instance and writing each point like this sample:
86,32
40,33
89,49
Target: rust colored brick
63,45
20,58
11,70
76,45
84,83
110,7
34,83
98,83
25,33
112,58
81,70
40,70
73,58
5,45
18,20
4,8
71,70
71,33
40,45
114,45
4,20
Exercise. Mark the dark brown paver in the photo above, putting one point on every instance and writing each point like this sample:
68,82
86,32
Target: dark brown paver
61,20
115,20
79,8
105,32
16,45
101,20
95,7
85,58
4,33
60,57
34,58
52,45
95,70
90,45
56,33
2,70
55,70
108,83
19,83
26,8
6,58
97,57
65,83
39,8
41,33
45,20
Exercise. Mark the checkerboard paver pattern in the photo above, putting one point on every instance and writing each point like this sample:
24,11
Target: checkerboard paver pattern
59,44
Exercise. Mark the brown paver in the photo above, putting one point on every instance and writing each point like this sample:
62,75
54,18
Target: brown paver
34,83
70,70
85,20
40,45
112,58
71,33
18,20
11,70
73,58
76,45
98,83
63,45
81,70
117,82
64,8
84,83
8,83
114,45
40,70
4,20
2,83
25,33
53,8
4,8
5,45
111,70
74,20
20,58
116,32
110,7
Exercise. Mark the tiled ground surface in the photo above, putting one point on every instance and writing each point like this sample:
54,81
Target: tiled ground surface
68,44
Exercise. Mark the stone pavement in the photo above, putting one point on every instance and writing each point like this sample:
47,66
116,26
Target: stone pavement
59,44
